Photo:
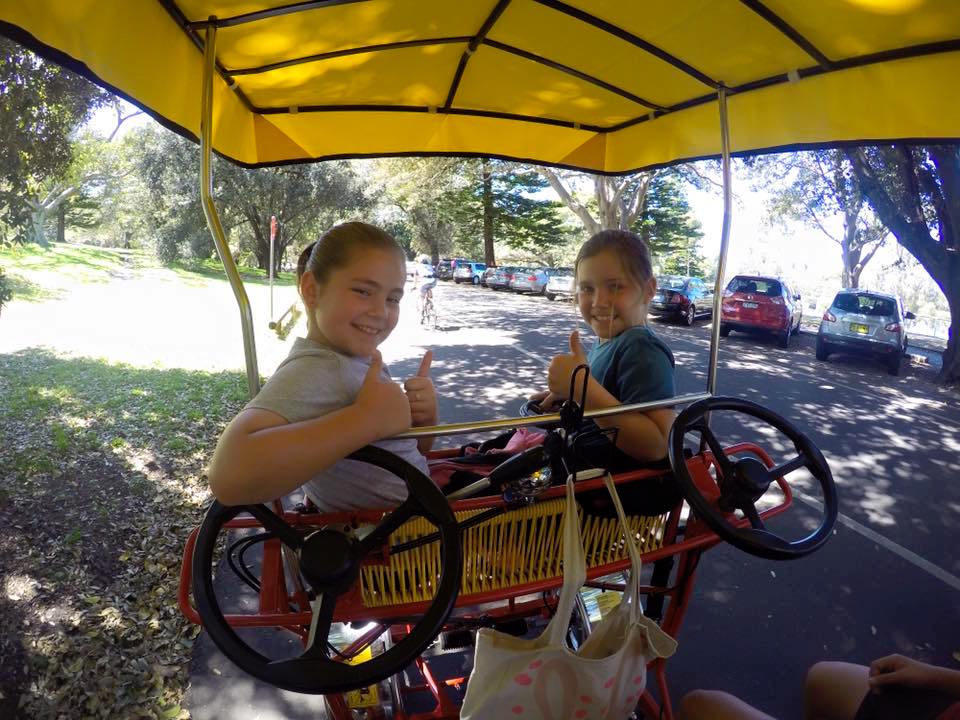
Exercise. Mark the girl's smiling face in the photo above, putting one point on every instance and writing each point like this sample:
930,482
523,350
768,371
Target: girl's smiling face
609,299
358,306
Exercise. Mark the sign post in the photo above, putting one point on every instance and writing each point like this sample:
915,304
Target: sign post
273,235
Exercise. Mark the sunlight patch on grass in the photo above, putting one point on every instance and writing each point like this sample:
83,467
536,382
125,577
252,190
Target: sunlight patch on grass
104,466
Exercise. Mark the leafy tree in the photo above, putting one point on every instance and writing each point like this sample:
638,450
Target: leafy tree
816,187
427,193
670,230
915,191
504,201
95,167
170,209
306,199
41,104
617,202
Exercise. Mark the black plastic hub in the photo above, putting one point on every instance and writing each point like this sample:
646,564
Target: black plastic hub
329,560
751,481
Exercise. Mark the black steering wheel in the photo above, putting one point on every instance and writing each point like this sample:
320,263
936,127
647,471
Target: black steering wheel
742,481
330,563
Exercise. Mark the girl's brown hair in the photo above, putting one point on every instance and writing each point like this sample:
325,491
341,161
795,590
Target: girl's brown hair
633,252
336,246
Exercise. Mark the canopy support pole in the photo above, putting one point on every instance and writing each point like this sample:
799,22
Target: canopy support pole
724,242
213,220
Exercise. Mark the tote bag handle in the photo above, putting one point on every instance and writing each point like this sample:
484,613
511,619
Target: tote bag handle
575,566
631,593
574,569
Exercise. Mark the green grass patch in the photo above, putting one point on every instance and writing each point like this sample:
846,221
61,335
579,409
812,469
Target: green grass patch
102,481
87,263
37,274
68,405
211,269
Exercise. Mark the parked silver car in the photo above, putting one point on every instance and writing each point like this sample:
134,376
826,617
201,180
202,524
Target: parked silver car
500,278
468,272
560,283
868,323
529,280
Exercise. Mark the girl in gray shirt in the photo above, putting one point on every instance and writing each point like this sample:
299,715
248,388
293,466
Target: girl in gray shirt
332,394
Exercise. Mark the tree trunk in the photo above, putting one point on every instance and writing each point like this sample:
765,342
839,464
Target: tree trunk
909,226
488,257
261,240
61,223
950,373
38,219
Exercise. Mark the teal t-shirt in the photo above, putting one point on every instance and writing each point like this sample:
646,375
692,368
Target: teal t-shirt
635,366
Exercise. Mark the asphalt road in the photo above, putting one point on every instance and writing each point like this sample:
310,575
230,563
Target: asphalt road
888,580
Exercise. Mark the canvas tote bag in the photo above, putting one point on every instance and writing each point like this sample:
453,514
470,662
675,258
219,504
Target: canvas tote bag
542,678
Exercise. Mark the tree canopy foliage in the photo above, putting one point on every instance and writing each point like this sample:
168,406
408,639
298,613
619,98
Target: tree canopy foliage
818,188
915,191
41,105
306,199
669,228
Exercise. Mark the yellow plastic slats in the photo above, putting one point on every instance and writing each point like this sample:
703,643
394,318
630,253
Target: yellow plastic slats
515,548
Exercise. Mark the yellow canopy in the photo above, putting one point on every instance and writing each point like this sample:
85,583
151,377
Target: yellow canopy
604,85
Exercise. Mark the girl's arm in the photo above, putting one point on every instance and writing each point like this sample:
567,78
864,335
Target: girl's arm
642,435
900,670
260,456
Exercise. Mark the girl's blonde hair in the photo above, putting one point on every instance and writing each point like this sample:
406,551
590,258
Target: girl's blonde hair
633,252
336,246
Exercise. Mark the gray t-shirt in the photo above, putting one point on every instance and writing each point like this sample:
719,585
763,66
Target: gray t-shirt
315,380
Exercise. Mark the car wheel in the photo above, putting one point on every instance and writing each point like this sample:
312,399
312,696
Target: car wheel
476,280
551,296
893,366
784,337
822,352
724,330
691,315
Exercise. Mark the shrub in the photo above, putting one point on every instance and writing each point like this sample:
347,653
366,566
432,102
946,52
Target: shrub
201,245
5,292
168,244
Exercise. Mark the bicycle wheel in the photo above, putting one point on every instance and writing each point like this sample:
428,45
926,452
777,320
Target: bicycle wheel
428,317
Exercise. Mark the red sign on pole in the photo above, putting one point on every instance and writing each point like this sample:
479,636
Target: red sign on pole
273,227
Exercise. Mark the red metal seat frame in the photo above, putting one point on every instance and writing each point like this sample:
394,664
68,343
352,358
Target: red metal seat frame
275,599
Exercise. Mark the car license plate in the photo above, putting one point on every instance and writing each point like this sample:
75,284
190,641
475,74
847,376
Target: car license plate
858,328
750,306
658,298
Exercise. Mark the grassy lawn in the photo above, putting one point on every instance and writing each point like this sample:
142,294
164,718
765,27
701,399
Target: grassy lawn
101,480
37,274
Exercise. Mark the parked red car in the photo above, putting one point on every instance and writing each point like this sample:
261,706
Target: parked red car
757,303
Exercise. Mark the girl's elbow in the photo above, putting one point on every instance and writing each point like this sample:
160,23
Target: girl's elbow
224,486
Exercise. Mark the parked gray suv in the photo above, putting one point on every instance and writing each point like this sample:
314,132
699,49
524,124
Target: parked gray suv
863,322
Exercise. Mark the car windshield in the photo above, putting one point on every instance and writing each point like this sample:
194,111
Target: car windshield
755,286
865,304
671,282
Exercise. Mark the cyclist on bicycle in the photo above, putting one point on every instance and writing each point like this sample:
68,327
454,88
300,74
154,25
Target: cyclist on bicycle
426,279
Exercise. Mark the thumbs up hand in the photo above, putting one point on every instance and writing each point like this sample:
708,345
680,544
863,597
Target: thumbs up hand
421,394
384,402
562,367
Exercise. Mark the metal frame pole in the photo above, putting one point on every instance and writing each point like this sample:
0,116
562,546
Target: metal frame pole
724,242
213,220
273,233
